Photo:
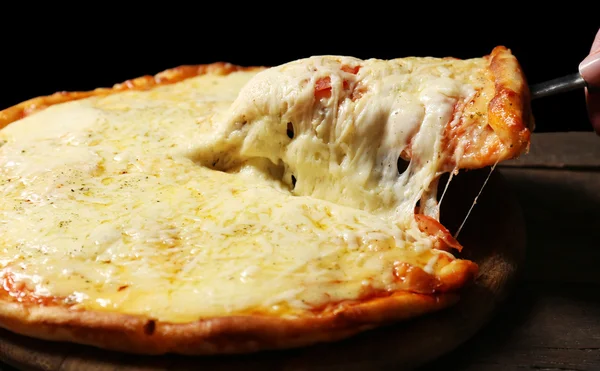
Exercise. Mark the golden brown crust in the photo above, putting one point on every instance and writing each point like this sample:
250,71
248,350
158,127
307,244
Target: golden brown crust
509,111
48,319
496,124
236,334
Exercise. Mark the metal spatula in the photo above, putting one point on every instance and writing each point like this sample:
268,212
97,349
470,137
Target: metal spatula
556,86
589,71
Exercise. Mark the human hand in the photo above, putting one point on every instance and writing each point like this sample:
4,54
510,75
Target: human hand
589,69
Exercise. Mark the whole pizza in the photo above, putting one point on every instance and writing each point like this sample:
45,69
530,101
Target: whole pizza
223,209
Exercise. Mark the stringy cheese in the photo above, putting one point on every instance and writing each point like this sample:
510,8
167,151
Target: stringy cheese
115,203
344,148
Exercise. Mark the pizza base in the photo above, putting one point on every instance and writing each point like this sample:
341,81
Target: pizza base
244,334
210,336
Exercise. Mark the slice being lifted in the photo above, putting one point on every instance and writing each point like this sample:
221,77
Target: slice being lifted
341,129
219,209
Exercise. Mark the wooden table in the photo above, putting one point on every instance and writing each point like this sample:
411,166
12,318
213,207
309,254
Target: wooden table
551,320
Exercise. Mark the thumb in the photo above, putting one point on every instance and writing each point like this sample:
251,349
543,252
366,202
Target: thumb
589,69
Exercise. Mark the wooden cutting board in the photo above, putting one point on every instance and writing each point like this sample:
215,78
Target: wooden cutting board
494,237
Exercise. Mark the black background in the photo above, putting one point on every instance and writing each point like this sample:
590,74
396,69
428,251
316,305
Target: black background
83,50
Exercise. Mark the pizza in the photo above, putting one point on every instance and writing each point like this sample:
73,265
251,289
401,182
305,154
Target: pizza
221,209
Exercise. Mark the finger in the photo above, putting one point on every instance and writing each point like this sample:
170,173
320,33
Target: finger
589,69
593,106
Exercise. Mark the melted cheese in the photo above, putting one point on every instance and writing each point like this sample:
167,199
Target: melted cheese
118,203
345,147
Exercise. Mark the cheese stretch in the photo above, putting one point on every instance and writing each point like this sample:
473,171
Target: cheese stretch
178,202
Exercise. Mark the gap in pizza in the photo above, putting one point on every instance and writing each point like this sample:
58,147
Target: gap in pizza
220,209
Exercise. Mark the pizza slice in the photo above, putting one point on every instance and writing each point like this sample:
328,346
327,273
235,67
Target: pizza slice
372,134
219,209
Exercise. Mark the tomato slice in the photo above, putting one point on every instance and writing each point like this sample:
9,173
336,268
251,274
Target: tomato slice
436,229
352,70
323,88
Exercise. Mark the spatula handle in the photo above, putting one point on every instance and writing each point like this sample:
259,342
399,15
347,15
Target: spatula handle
557,86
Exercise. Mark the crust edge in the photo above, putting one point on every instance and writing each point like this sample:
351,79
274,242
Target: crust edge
509,110
211,336
170,76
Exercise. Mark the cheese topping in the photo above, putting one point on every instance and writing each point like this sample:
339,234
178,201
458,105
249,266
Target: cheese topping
344,145
178,202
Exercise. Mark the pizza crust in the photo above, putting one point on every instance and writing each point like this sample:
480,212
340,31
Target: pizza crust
496,124
235,334
509,109
221,335
166,77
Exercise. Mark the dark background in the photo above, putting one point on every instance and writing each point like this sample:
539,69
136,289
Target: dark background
79,52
